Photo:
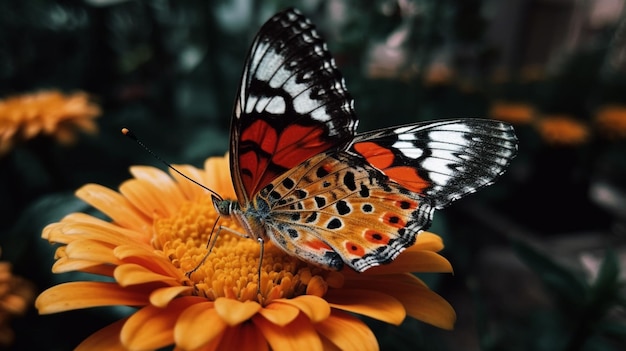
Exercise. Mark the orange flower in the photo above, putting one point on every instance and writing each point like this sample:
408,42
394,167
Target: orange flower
562,130
158,233
23,117
16,295
512,112
611,121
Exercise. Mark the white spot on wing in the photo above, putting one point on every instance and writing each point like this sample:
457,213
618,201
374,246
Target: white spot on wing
408,149
276,105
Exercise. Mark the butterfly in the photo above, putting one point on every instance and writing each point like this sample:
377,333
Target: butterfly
307,182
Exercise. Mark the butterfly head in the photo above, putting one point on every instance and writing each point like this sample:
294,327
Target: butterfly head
224,207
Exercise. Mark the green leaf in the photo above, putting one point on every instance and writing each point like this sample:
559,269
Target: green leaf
567,287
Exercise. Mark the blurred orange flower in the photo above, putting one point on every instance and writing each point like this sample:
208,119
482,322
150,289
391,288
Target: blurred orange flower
512,112
611,121
52,113
158,234
16,295
562,130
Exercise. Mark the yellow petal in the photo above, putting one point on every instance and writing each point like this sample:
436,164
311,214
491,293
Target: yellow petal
198,325
316,308
149,259
107,338
297,335
426,305
279,313
134,274
162,182
235,312
373,304
152,327
154,192
347,332
162,296
92,250
244,337
64,264
115,206
427,241
414,261
419,301
77,295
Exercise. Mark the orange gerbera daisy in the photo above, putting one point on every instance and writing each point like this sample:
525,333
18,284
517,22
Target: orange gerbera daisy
611,120
512,112
158,233
52,113
16,296
562,130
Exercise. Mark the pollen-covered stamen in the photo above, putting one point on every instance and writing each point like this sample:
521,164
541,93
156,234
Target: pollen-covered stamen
231,269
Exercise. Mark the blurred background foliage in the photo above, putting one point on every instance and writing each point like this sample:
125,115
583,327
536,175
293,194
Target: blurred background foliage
539,257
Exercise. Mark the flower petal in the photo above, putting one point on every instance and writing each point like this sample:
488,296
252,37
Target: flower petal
107,338
279,313
152,327
244,337
316,308
235,312
347,332
427,241
148,258
374,304
161,186
297,335
95,251
162,296
414,261
134,274
419,301
77,295
115,206
198,325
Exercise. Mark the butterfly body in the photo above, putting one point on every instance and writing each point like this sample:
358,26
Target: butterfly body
307,182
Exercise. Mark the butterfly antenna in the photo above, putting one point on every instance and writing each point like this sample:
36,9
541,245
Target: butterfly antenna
132,135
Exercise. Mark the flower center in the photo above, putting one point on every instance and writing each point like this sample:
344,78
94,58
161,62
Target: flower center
231,268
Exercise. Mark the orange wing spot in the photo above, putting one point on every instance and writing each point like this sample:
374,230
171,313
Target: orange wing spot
408,178
376,237
318,245
393,220
355,249
328,167
375,154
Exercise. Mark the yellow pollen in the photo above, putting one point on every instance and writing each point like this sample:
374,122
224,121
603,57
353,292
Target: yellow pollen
231,268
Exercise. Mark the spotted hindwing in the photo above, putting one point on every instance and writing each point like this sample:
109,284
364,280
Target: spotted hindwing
292,104
335,209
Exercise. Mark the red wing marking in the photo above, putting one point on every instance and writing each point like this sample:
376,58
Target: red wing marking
287,149
393,220
376,237
262,134
318,245
355,249
407,177
376,155
383,159
297,144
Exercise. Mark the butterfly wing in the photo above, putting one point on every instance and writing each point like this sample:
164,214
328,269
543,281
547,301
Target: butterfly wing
363,206
443,160
335,208
292,104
